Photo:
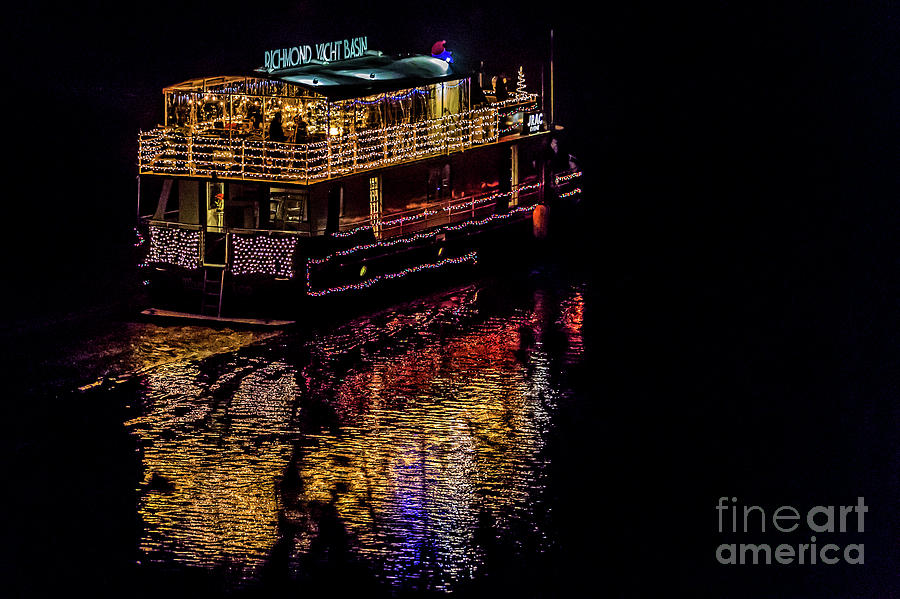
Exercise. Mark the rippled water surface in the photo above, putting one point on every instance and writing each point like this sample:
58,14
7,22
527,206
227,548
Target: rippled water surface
405,448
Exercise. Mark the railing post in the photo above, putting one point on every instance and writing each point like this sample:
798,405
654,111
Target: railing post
190,141
227,254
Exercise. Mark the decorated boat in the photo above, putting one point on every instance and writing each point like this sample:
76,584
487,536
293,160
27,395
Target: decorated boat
336,169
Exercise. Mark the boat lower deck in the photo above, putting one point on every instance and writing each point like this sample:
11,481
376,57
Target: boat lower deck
172,314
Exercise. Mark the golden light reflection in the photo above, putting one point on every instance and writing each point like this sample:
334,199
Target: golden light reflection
139,347
417,430
211,455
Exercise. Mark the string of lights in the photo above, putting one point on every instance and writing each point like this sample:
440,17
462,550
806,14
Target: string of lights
169,152
516,99
517,123
460,205
399,97
564,178
244,87
278,90
180,247
470,257
520,82
419,236
274,256
569,194
262,254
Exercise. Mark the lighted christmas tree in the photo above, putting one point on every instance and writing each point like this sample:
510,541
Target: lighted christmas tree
520,83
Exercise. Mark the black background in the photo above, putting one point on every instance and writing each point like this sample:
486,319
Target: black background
742,315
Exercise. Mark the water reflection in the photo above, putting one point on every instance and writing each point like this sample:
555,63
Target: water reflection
407,444
212,449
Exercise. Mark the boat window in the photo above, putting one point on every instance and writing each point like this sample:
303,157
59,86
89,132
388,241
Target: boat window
288,208
439,183
242,206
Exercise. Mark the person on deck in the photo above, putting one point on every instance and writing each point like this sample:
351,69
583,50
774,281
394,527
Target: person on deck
276,131
254,116
300,129
500,88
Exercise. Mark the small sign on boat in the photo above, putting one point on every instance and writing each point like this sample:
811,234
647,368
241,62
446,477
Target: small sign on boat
532,122
295,56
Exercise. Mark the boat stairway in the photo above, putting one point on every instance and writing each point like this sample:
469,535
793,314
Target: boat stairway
213,287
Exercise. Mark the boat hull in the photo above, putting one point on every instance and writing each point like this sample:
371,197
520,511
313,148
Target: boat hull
396,267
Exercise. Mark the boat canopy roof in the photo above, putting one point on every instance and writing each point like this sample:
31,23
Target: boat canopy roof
368,75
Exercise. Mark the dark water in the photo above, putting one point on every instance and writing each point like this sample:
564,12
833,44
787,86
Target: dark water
401,450
400,446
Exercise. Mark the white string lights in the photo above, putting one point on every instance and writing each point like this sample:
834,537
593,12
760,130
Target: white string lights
179,247
567,177
197,153
167,151
520,82
263,255
273,256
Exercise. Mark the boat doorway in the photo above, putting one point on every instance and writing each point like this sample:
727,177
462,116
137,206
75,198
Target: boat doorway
215,245
215,249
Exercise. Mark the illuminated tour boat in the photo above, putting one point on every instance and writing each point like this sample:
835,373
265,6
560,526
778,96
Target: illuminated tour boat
335,168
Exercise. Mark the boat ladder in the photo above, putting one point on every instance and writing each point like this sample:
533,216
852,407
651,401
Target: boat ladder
213,288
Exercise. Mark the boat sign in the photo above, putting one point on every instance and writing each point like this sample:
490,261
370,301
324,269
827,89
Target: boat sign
533,122
295,56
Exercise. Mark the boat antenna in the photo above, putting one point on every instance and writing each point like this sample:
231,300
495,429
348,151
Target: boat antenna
552,121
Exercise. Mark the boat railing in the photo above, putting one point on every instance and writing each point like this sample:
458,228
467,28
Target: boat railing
168,224
270,251
179,152
239,230
423,216
446,212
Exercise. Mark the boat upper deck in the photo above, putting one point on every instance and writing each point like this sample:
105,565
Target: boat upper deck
325,120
